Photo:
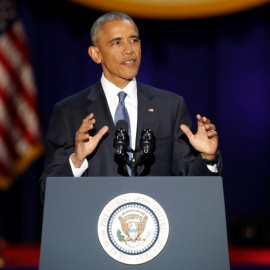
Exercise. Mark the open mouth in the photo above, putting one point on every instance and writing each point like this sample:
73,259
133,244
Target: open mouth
129,62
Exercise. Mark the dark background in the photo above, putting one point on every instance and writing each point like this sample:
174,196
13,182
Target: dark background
220,65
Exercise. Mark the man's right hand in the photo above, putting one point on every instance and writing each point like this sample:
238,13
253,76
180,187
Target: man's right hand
84,143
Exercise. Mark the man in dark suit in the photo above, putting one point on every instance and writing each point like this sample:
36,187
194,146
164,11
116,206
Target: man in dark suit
82,129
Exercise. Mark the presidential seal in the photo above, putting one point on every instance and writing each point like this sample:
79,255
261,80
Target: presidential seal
133,228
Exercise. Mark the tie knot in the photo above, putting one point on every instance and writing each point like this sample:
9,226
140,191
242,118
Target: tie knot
122,95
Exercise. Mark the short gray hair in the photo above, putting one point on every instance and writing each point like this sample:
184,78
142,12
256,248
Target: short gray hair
108,17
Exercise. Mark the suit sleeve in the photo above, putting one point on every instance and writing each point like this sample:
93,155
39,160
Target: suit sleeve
59,147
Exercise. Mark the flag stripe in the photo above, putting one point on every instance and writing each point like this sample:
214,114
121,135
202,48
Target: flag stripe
19,46
14,105
12,76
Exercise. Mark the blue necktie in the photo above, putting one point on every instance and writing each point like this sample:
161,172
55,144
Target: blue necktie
121,113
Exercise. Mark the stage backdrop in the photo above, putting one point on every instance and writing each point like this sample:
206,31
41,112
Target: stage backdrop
220,65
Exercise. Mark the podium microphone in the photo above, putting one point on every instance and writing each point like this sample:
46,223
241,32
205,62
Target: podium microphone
121,140
147,142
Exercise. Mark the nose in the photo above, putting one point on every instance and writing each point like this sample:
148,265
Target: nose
128,49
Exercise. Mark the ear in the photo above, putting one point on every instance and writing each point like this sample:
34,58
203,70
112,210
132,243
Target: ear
94,54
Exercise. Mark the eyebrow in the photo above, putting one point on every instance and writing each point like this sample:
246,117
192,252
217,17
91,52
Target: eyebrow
115,39
134,36
120,38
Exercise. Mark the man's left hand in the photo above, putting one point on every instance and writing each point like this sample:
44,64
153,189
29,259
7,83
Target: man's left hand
205,140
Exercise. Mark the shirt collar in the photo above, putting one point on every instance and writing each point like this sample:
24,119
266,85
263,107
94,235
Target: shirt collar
111,91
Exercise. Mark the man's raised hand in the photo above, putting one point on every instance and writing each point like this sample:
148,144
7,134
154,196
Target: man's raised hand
84,143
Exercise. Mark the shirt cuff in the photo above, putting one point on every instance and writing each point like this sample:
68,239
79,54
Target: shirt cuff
78,172
213,168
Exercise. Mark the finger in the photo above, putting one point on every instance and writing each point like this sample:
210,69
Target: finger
199,120
211,130
186,130
88,117
83,130
87,124
82,137
210,127
212,133
101,133
205,120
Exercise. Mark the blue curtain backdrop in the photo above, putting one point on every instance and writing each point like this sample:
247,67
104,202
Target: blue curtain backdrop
221,66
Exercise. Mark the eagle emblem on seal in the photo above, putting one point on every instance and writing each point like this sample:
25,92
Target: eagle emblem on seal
133,229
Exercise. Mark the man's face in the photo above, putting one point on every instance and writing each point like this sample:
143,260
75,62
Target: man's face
119,51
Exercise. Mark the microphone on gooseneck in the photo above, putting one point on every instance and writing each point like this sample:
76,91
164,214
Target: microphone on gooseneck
147,141
121,140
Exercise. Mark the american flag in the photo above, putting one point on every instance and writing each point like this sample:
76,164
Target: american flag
20,136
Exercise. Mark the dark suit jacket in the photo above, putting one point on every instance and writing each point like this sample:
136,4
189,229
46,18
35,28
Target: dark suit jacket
173,155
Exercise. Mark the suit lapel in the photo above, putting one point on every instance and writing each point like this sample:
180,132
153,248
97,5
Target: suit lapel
147,116
147,112
99,106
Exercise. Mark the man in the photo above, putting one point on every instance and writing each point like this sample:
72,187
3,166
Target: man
82,129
